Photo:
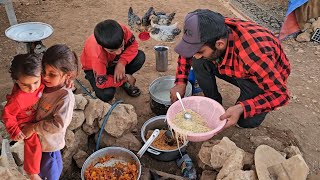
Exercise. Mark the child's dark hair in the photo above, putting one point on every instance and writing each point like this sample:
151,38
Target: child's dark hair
63,58
25,65
109,34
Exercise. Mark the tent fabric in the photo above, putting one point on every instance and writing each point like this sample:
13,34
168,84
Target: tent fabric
298,13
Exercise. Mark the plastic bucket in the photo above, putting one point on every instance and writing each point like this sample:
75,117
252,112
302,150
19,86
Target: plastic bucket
209,109
161,53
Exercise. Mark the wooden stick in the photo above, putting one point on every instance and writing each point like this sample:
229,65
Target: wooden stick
167,175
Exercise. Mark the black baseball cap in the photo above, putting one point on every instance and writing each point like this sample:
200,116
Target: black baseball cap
200,26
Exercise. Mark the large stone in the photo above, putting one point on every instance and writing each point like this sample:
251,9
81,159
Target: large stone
128,141
294,168
205,152
122,120
67,154
91,129
80,157
70,139
7,159
221,152
208,175
233,163
80,142
292,151
80,102
82,139
304,37
264,157
3,132
77,120
2,105
242,175
316,24
18,152
10,169
9,174
259,140
248,159
95,110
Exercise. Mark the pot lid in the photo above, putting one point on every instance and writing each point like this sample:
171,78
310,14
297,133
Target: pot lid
29,31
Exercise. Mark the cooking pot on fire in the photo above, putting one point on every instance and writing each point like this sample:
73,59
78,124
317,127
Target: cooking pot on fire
159,91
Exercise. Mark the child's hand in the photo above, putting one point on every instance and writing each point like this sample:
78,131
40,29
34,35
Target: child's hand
69,83
28,130
19,137
119,72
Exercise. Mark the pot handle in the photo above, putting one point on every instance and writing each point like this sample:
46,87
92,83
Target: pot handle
153,136
152,151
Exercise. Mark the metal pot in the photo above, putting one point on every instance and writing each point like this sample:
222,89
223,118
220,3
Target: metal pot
122,155
159,91
158,122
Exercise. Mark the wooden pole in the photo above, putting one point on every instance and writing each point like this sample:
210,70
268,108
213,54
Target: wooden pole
21,48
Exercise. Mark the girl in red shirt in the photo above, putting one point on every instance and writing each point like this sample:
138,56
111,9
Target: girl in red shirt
21,108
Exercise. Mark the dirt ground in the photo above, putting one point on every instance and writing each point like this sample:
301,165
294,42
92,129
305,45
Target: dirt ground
73,21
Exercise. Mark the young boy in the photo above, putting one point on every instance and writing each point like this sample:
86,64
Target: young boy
21,108
109,58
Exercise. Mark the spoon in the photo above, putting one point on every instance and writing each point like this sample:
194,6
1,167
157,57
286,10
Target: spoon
187,116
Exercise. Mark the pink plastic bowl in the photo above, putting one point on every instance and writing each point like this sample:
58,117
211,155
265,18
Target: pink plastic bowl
207,108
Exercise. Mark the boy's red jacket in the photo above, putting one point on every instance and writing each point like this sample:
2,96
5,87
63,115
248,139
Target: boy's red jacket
20,108
95,58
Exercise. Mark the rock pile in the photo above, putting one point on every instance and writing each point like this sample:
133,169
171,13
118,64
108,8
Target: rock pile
223,160
308,30
87,118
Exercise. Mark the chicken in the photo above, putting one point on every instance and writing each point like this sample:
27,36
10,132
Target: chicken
146,18
163,32
134,21
161,18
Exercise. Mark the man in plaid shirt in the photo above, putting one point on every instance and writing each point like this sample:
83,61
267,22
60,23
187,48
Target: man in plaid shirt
240,52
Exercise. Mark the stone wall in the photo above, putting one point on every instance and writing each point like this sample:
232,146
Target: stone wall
87,119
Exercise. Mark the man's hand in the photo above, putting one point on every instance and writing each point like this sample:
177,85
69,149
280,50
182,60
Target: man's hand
19,137
28,130
232,115
181,88
119,72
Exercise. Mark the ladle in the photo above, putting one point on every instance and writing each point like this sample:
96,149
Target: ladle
186,115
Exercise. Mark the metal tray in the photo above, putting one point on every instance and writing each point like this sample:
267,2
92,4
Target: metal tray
29,31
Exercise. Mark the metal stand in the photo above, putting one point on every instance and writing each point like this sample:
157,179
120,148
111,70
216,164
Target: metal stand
21,48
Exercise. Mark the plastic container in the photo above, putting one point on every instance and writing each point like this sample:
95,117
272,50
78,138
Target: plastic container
209,109
144,36
192,79
161,53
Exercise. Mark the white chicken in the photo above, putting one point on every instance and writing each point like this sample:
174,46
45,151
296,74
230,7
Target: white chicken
163,32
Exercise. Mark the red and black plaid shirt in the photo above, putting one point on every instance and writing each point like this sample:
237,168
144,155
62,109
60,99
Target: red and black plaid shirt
253,53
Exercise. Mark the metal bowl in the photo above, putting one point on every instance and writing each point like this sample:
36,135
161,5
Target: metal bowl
29,31
121,154
159,91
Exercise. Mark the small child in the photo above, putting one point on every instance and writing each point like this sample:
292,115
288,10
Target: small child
21,108
55,108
